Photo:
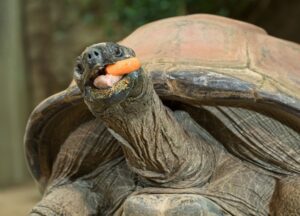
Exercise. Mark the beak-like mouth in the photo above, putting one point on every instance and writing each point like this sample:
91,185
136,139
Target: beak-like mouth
99,85
100,80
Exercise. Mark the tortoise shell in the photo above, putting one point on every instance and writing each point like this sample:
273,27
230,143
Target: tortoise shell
196,60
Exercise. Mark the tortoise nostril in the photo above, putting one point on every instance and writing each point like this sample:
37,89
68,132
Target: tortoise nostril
93,54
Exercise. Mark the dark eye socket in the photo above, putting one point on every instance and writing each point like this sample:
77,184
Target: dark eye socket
79,68
118,52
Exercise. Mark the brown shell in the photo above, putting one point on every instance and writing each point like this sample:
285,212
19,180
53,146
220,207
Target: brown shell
48,126
196,59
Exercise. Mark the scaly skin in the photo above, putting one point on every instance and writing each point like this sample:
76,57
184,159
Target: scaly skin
156,145
89,175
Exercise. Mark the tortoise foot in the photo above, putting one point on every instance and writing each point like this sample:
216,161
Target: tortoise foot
170,205
67,200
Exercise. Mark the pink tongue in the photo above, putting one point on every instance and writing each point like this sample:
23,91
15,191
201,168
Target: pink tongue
106,80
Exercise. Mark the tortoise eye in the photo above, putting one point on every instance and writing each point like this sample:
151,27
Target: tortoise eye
118,52
79,68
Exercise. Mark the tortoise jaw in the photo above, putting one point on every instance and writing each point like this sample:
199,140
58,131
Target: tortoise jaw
97,71
105,92
116,85
98,99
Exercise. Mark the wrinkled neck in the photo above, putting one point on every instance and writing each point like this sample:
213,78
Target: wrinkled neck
155,144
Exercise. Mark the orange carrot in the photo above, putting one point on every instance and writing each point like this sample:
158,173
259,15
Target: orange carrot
122,67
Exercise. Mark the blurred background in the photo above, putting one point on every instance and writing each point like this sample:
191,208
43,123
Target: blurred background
39,40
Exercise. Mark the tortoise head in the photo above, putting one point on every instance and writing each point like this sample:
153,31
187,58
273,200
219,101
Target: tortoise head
91,65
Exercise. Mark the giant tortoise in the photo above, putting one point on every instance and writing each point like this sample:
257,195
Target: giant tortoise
209,125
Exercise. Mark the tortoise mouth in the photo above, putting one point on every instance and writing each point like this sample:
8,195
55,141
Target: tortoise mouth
100,85
98,78
101,82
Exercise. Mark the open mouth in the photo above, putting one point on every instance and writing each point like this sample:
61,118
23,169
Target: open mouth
100,85
101,80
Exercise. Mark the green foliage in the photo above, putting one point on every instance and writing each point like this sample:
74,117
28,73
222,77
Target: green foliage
119,17
230,8
133,13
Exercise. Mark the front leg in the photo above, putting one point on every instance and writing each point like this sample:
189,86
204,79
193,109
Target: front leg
100,192
89,175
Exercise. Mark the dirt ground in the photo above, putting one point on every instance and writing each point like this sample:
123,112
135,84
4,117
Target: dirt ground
18,200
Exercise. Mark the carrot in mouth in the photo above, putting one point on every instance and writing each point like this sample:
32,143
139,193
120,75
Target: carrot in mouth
122,67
